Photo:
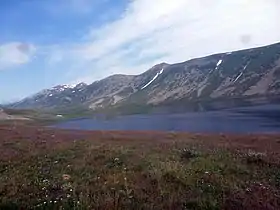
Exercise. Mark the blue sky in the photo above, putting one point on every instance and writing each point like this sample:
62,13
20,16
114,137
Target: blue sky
48,42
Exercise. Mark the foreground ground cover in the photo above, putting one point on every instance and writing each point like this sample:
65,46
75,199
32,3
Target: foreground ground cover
51,169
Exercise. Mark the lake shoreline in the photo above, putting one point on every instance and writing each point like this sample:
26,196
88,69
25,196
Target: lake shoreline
239,120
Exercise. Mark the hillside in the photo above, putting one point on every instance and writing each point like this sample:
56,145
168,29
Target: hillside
241,74
6,116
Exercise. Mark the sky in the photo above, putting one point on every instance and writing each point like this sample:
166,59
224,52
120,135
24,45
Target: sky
44,43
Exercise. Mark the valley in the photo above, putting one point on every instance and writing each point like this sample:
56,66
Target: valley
202,134
140,105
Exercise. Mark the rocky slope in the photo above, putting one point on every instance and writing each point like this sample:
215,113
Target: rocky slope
252,72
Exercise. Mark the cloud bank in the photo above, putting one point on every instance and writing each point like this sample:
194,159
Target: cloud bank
149,32
172,31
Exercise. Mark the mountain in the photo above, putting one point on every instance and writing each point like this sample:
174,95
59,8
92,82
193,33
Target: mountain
57,96
245,73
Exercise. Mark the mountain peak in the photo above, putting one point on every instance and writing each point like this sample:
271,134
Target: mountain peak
81,85
160,65
62,87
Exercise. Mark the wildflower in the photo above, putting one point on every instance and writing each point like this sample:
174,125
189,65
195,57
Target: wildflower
45,181
66,177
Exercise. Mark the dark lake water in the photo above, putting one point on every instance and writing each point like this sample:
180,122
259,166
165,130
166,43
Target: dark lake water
255,119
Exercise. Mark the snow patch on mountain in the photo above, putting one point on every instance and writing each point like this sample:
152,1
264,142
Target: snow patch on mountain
219,63
217,66
238,77
156,76
245,67
63,87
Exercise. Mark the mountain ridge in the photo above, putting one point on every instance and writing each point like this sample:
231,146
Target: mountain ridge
242,73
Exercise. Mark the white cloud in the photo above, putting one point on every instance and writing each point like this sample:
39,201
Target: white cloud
14,54
173,31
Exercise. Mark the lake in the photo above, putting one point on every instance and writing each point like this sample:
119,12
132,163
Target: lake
254,119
